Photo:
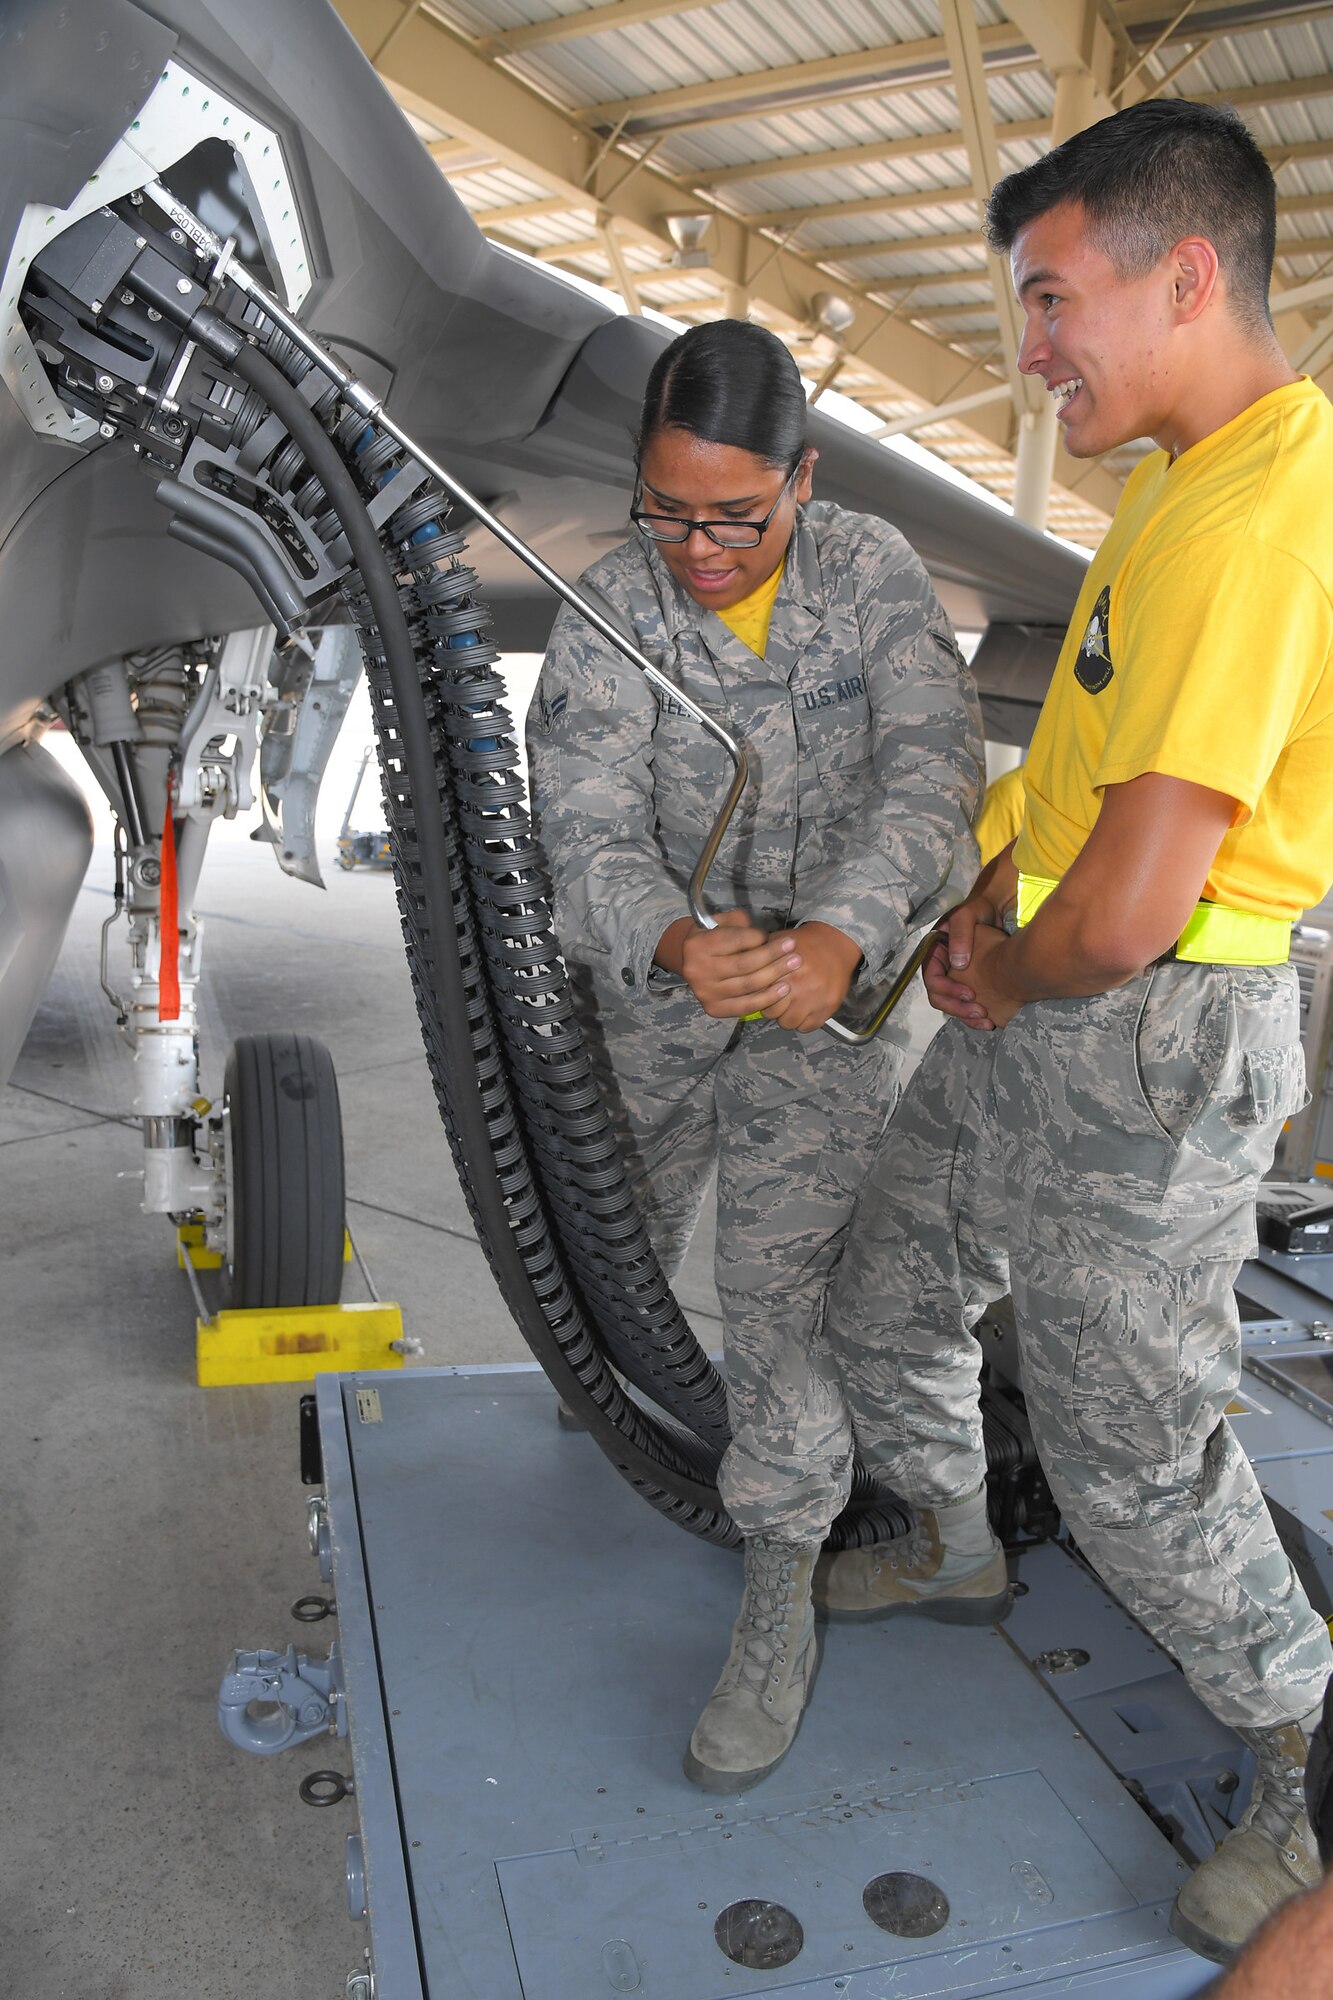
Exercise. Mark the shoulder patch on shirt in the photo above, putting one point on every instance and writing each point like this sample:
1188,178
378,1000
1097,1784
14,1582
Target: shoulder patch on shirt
551,710
1092,666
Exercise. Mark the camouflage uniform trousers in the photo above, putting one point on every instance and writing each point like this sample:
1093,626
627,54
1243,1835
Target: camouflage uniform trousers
1114,1145
792,1123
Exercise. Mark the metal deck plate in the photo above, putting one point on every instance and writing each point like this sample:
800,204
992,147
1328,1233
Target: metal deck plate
543,1643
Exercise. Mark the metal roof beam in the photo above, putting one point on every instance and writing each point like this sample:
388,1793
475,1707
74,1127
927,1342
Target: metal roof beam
1252,96
897,246
1298,296
861,65
918,281
589,21
943,413
891,289
1304,204
877,152
1304,149
558,253
443,79
1145,20
870,204
1316,351
529,211
986,311
817,98
656,284
1304,246
455,156
915,202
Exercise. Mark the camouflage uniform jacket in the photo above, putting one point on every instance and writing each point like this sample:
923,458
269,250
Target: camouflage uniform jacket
861,722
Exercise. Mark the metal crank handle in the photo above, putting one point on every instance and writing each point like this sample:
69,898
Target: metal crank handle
838,1029
842,1033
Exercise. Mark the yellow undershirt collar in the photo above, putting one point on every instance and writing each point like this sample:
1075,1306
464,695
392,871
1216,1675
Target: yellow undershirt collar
750,619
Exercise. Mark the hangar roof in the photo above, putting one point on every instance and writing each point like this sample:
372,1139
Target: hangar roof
820,164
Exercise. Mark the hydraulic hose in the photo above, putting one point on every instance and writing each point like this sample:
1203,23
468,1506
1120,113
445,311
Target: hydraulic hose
424,876
535,1153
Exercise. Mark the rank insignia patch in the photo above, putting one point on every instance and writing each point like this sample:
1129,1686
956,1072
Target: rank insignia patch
551,711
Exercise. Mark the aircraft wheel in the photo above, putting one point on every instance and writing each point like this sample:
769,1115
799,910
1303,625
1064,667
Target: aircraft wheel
285,1193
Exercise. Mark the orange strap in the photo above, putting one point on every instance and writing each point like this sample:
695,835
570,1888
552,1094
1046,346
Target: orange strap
168,924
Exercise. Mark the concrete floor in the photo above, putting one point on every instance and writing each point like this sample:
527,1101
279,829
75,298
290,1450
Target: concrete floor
149,1526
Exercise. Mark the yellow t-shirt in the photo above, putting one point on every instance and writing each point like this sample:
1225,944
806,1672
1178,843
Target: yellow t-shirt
1201,648
1001,815
750,619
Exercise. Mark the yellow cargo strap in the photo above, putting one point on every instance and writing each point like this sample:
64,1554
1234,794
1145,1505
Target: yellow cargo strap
1215,934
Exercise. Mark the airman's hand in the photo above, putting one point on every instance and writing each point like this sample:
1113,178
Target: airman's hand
818,976
734,970
988,940
945,971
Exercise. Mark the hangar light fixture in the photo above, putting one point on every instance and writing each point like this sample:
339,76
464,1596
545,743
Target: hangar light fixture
687,233
832,313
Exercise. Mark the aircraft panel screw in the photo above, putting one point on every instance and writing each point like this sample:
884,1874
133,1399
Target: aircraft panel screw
106,430
154,314
97,305
178,235
106,384
127,297
184,285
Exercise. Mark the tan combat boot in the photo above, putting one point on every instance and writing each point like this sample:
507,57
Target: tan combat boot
1267,1857
754,1711
950,1567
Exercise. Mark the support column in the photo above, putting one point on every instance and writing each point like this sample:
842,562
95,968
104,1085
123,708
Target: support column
962,43
1038,432
1075,92
1034,464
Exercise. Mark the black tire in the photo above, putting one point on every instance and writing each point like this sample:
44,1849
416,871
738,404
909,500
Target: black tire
286,1173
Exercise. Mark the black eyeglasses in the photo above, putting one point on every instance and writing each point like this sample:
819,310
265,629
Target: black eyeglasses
727,534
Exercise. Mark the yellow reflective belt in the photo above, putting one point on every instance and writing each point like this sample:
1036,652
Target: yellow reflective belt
1215,934
1032,893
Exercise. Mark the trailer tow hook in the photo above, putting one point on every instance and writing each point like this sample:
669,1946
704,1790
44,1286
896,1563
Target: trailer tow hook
269,1701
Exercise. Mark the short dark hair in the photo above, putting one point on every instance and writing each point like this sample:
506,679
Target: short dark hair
1150,176
728,382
